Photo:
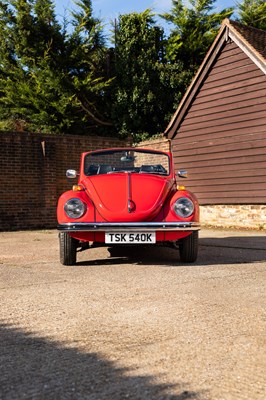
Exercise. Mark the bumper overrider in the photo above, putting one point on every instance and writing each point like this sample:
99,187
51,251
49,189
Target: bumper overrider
128,226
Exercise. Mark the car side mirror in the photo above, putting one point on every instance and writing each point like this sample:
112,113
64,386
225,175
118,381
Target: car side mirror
71,173
182,173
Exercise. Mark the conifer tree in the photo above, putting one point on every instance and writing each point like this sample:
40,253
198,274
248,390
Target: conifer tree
252,13
87,53
50,80
194,29
139,97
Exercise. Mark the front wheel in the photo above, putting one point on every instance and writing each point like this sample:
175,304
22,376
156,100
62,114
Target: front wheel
188,247
68,249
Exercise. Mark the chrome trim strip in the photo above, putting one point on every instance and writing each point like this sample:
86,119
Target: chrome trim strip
126,226
129,193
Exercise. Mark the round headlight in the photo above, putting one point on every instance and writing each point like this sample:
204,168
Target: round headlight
183,207
75,208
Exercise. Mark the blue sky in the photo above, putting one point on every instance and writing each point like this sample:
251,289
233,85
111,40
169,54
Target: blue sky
108,10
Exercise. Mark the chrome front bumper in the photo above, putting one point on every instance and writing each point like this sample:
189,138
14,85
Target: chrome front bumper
129,226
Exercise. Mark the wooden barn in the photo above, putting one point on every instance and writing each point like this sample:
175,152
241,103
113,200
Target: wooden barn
218,132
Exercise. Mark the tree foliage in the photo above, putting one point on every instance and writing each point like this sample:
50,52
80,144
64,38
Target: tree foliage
194,29
50,79
252,13
139,100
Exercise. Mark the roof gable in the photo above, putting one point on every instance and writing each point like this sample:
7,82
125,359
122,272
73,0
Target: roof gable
252,42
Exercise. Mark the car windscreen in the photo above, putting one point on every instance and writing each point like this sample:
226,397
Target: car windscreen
128,160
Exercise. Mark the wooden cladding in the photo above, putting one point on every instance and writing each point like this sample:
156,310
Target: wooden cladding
222,138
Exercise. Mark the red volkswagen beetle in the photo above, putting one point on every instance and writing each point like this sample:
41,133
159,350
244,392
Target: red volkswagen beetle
127,196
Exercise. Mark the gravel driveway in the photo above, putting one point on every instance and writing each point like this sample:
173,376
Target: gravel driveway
137,325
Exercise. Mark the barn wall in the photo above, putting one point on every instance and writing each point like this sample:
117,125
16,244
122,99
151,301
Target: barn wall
222,140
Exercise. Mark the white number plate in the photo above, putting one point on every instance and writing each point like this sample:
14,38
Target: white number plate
130,238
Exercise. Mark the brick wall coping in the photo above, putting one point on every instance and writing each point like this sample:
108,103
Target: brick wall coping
152,141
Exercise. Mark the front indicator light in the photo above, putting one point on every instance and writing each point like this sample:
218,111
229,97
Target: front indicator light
183,207
75,208
181,187
77,188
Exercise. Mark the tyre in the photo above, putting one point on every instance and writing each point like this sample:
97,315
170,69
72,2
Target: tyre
188,247
68,249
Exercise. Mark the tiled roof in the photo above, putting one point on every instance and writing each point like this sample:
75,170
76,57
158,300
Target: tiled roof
255,37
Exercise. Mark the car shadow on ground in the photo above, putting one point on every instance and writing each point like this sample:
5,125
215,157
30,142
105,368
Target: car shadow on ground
34,367
212,251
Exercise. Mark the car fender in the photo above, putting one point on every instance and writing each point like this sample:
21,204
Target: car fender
82,195
170,214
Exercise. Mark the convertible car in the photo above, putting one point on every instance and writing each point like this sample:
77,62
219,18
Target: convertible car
127,196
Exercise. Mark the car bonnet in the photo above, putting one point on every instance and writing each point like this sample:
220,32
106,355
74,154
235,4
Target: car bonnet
128,196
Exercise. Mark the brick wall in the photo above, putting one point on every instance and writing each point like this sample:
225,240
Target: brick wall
160,144
32,175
